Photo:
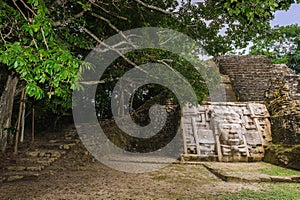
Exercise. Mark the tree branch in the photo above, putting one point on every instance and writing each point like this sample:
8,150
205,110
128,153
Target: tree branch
113,49
44,38
153,7
10,31
106,45
14,1
36,46
110,24
108,12
164,62
26,6
2,38
59,23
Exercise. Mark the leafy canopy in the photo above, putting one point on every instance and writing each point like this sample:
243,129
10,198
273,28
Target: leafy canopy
281,44
44,41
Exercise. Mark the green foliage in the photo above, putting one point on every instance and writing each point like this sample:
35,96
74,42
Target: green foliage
254,9
281,44
44,71
44,40
32,49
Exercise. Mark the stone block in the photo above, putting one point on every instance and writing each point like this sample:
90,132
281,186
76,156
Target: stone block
55,154
35,168
14,178
33,153
281,179
44,162
16,168
296,178
265,179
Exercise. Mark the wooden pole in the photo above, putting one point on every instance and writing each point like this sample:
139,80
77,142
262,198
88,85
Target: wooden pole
19,122
32,125
23,119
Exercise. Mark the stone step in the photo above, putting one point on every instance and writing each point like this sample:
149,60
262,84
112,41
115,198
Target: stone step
30,164
16,176
59,145
46,153
39,165
33,160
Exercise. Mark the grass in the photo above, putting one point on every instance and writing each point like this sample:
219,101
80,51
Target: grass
189,176
268,169
278,171
278,191
274,191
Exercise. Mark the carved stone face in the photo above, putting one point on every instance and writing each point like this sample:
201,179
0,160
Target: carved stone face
230,134
230,117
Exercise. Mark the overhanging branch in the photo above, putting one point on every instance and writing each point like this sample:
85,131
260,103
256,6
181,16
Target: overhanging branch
154,7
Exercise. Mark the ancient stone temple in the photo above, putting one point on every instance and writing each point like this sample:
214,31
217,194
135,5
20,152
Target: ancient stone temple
261,97
256,78
226,131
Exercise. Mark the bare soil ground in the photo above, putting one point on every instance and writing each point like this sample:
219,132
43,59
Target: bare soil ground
77,175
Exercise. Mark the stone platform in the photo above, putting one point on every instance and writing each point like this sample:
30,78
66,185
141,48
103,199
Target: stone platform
252,172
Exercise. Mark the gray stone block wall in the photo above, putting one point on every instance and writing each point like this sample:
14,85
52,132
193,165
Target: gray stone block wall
249,75
255,78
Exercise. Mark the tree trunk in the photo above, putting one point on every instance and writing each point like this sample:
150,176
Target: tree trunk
6,108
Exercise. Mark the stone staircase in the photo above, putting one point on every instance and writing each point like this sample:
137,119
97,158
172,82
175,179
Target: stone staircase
249,75
31,164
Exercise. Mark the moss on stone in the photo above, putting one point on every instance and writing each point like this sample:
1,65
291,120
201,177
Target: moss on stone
283,155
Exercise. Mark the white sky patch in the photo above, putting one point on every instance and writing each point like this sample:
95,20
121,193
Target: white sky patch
223,30
197,1
284,18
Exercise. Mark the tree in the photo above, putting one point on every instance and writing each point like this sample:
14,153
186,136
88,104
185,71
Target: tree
33,54
44,41
281,44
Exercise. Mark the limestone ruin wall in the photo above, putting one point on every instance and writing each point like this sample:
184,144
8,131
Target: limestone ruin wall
250,83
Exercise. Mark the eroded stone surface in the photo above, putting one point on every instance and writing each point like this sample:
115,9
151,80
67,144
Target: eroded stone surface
286,156
226,131
283,100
